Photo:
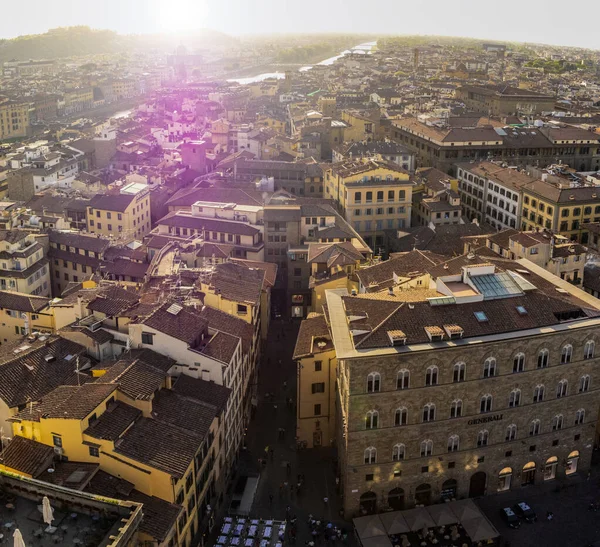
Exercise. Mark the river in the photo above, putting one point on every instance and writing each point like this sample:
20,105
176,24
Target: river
360,48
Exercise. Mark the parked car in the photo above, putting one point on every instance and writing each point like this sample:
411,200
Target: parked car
510,519
525,512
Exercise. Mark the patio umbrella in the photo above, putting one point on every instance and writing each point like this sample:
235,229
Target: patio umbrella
394,523
369,526
18,539
480,529
48,512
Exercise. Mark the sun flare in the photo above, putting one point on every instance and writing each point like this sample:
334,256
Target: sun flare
180,15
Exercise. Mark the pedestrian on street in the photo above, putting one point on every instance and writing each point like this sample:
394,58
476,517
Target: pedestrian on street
325,501
288,468
284,385
275,408
271,453
270,500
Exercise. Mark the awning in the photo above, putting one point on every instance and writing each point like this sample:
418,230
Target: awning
479,529
377,541
464,509
394,522
441,515
368,527
418,518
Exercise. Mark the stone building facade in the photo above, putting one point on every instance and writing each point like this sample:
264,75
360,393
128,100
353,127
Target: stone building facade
470,469
460,417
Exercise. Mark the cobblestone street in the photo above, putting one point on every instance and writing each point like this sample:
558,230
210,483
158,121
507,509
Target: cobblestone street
573,525
278,377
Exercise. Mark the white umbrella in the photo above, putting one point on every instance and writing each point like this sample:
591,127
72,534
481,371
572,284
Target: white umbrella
18,539
48,512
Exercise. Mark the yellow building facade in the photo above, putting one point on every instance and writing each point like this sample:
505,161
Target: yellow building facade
563,211
317,369
373,195
14,118
71,439
120,216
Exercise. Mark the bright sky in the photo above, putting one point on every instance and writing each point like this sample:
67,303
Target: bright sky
543,21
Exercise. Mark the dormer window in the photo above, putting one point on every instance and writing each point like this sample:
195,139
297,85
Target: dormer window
454,331
435,333
397,337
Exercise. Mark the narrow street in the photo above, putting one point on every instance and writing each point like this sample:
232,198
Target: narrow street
278,377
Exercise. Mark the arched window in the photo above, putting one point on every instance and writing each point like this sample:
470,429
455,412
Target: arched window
580,416
572,460
429,412
401,416
460,370
561,389
371,455
372,419
534,428
431,376
584,383
511,432
543,357
538,393
485,404
504,479
427,447
456,408
557,422
403,379
398,452
519,362
373,382
483,437
550,468
489,367
453,442
566,354
514,399
588,349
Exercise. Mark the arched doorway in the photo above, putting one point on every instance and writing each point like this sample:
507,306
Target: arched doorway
528,475
572,461
550,468
449,489
423,494
368,503
396,499
504,479
477,484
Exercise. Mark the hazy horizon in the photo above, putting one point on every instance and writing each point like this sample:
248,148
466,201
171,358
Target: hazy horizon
513,21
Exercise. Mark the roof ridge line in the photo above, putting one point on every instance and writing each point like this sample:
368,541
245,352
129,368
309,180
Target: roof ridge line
380,325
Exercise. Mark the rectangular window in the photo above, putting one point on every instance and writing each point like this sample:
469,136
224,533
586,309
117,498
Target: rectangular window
318,366
57,441
317,410
242,309
148,338
318,387
94,451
